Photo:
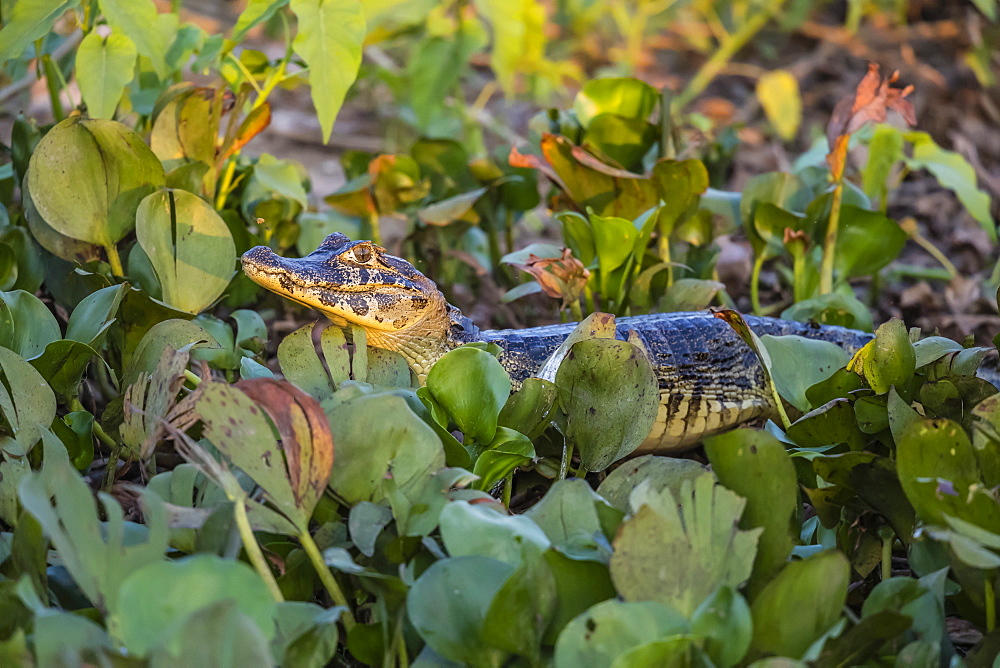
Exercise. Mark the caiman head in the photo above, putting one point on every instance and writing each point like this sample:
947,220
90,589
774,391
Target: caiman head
359,283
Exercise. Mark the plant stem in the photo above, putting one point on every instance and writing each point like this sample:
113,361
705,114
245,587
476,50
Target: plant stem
114,260
326,577
253,548
102,435
508,484
575,310
111,467
227,179
799,274
830,241
991,605
909,226
887,557
758,264
192,378
726,50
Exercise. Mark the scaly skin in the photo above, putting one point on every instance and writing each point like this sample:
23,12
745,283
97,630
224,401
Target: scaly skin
709,379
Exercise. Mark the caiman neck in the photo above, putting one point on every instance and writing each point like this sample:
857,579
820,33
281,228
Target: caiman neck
423,343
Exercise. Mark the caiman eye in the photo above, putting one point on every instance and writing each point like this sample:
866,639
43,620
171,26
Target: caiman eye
362,254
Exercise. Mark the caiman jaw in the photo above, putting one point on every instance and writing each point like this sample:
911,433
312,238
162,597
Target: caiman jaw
358,283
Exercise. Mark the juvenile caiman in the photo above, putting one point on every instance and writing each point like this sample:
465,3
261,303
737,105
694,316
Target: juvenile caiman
709,379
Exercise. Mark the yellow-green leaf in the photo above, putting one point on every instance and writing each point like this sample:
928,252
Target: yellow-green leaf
104,66
778,92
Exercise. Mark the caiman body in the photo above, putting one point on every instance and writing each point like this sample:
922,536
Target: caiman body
709,379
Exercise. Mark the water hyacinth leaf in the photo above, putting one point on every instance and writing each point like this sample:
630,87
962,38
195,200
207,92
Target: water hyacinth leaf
306,634
624,96
658,472
778,92
189,245
527,410
863,641
98,555
216,634
832,423
724,620
572,515
508,450
449,603
8,267
112,171
59,635
301,365
174,333
798,363
27,326
888,360
689,294
370,448
521,609
608,390
458,207
579,586
478,529
63,364
138,20
986,438
595,325
95,313
196,582
186,126
329,40
12,471
815,588
832,309
29,270
472,386
755,465
104,66
26,402
608,630
387,368
938,451
695,533
855,254
365,523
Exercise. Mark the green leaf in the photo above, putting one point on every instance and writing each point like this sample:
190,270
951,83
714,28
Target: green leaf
612,628
625,97
658,473
576,519
63,364
518,38
695,532
255,13
725,622
99,556
104,66
798,363
371,447
800,604
477,529
472,386
778,92
624,140
608,390
147,620
220,633
856,255
94,314
26,402
189,246
329,39
306,634
955,173
885,149
174,333
754,464
111,169
528,409
831,309
59,635
508,450
28,21
138,20
449,603
888,360
27,326
521,609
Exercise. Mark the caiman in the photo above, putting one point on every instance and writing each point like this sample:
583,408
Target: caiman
709,380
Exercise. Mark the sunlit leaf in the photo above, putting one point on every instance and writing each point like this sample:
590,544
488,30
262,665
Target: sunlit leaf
778,92
104,66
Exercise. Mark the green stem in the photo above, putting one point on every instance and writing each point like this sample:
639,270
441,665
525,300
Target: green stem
52,76
887,557
799,274
111,468
830,241
253,548
575,310
103,436
727,49
508,484
115,260
223,190
192,378
370,229
667,148
326,577
758,264
991,605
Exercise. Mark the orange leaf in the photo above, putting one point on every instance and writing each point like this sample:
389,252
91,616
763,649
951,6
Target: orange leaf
305,434
255,122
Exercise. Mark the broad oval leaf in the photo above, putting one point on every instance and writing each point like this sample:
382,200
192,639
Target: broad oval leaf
627,97
472,386
189,245
609,392
111,170
27,406
778,92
